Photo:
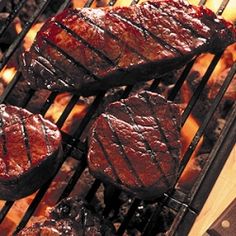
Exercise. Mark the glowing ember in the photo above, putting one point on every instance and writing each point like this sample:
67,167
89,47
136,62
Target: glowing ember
29,38
79,4
14,215
188,132
229,12
192,169
7,74
75,116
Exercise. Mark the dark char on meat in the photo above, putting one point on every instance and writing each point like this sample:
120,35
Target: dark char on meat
30,148
135,145
88,50
71,217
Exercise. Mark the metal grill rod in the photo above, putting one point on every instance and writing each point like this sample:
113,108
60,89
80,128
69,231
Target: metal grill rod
219,153
197,137
67,111
209,115
200,88
41,193
22,34
53,97
97,183
11,17
217,157
74,141
185,72
222,7
178,85
5,210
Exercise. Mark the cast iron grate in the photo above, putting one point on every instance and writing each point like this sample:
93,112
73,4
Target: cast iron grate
187,206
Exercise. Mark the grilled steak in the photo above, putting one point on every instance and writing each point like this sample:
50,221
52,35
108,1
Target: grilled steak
30,152
71,218
135,145
87,50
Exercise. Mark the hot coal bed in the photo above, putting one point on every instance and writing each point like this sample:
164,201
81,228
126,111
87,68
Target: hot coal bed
208,108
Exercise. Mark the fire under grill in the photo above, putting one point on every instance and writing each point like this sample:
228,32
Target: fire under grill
182,206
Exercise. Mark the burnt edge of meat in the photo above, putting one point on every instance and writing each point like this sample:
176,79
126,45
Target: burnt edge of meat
29,176
133,148
32,180
72,216
115,45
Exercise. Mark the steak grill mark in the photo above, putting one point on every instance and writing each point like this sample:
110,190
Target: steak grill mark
2,132
143,29
79,38
70,58
150,104
107,158
181,24
131,136
133,1
25,138
45,132
122,152
128,110
56,67
92,23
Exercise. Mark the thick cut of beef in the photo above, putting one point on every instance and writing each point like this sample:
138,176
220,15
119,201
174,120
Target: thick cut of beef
30,148
135,145
71,218
88,50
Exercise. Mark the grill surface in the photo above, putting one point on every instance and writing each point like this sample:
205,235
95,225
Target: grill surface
186,205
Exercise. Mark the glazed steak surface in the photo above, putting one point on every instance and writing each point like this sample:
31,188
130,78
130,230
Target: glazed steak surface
87,50
71,217
135,145
29,152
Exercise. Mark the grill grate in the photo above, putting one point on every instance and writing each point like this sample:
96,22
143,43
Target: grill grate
188,205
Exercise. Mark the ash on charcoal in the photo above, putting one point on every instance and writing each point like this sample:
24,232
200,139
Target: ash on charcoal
201,159
82,187
230,94
141,216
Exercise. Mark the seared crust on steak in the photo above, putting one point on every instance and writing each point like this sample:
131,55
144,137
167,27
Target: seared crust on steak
30,148
135,145
89,50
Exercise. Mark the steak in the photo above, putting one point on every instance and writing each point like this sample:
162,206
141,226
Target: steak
71,218
30,148
88,50
135,145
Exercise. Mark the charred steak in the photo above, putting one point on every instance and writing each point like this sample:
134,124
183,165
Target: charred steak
87,50
30,148
71,218
135,145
